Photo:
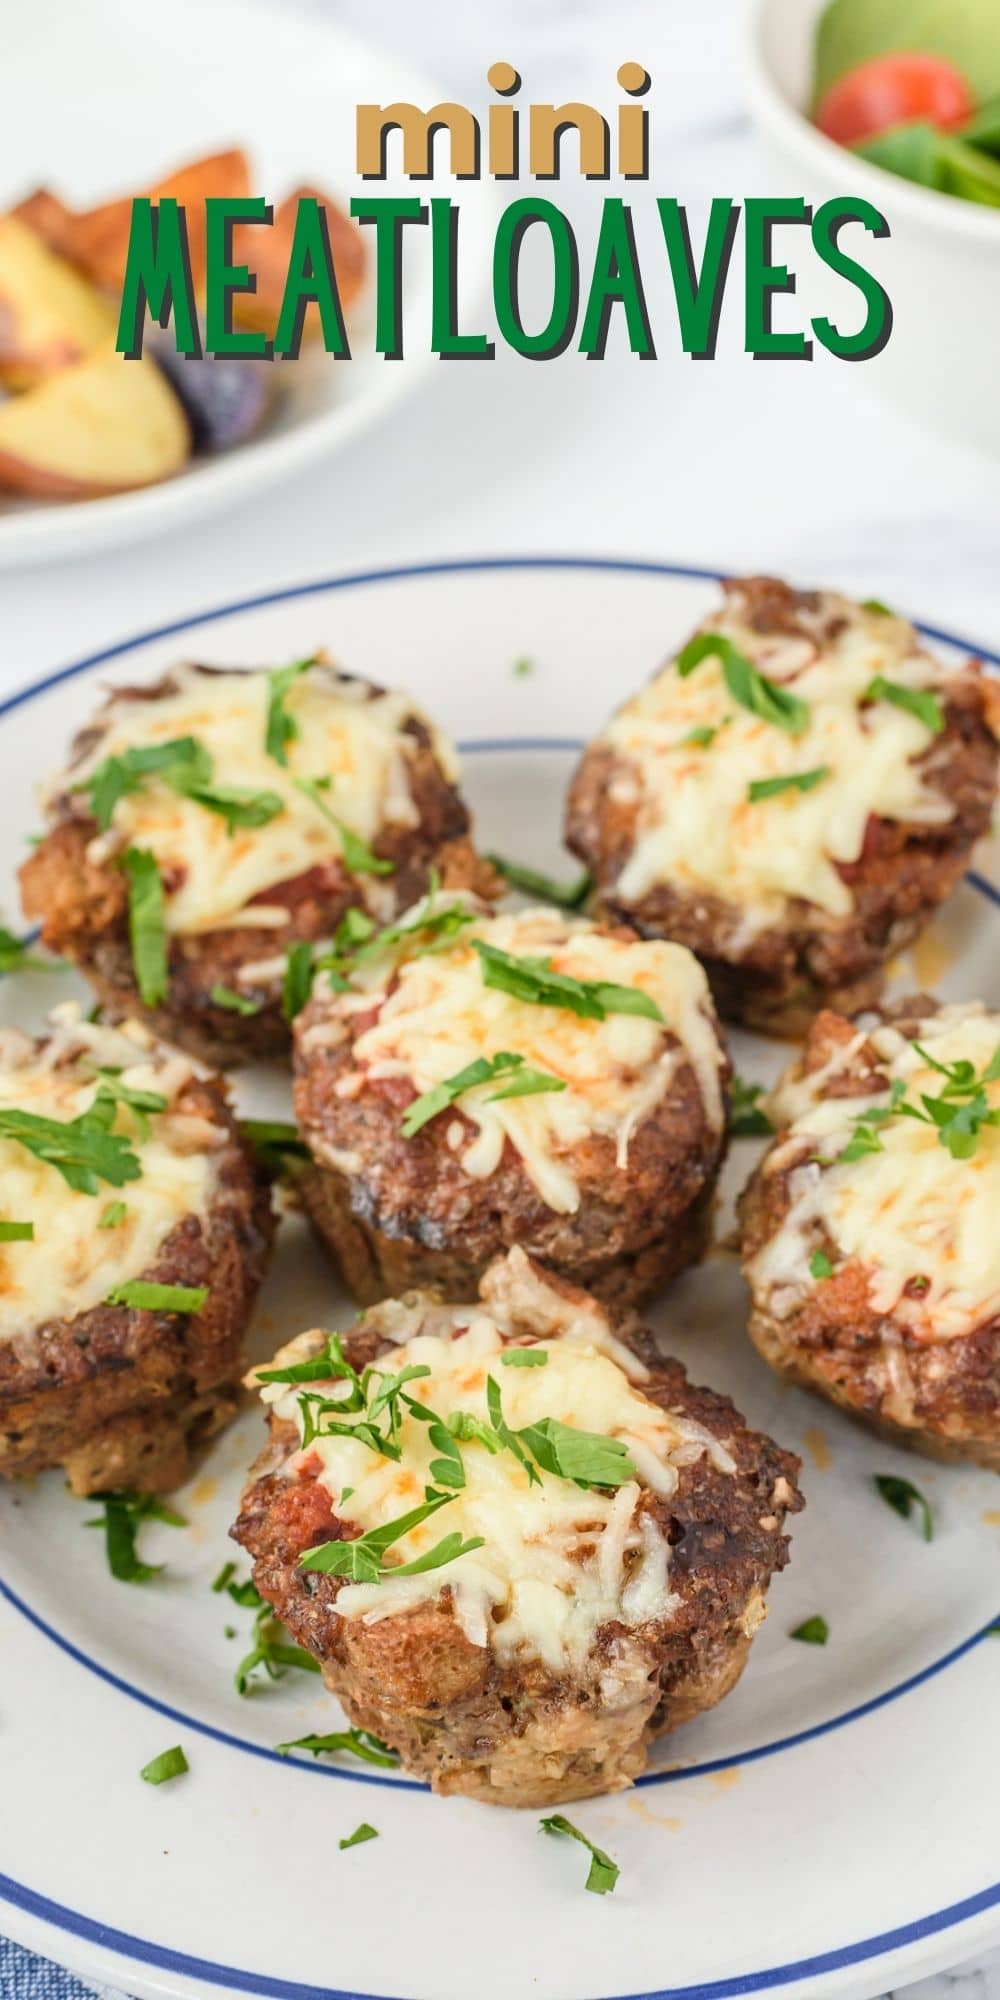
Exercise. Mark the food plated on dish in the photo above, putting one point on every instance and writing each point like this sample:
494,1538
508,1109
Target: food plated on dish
870,1237
135,1235
467,1081
207,826
523,1636
564,1591
792,797
78,420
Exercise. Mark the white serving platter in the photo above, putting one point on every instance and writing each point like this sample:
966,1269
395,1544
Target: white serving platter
831,1829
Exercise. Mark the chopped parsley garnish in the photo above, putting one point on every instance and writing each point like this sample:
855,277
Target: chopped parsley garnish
237,805
142,1295
531,882
361,1833
813,1631
121,1520
169,1764
15,956
820,1267
282,728
140,1102
180,762
429,929
960,1110
83,1150
276,1144
524,668
271,1649
524,1357
233,1002
358,858
361,1560
225,1576
297,984
794,781
146,924
17,1232
916,701
746,684
525,1082
903,1497
586,1457
604,1872
353,1742
700,739
533,980
876,605
748,1120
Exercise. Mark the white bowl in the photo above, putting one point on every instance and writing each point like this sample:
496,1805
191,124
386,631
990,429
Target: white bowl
941,267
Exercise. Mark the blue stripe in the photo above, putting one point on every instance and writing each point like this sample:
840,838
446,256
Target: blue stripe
262,1984
675,1775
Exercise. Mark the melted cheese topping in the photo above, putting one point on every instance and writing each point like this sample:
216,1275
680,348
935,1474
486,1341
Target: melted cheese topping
557,1562
210,874
698,830
442,1016
908,1212
71,1265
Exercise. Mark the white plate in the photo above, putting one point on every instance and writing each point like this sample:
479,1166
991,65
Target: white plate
831,1829
98,95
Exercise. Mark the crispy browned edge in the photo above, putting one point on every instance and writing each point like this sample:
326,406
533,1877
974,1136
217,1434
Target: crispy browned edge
408,1216
834,1343
518,1733
124,1398
903,875
82,906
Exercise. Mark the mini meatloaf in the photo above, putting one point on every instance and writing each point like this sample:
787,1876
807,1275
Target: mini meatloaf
478,1081
520,1544
209,823
134,1236
871,1228
791,797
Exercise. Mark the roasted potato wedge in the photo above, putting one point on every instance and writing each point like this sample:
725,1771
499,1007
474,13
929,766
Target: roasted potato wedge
50,316
266,252
96,239
102,426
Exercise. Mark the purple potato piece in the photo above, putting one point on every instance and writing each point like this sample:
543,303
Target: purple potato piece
225,400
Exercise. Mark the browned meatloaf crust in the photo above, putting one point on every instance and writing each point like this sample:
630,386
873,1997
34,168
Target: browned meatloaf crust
785,974
835,1344
410,1217
82,906
121,1397
521,1734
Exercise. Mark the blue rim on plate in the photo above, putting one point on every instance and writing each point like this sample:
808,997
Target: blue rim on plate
144,1952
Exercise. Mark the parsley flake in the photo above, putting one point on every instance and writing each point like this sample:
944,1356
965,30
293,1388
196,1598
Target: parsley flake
17,1232
142,1295
748,1120
169,1764
282,728
604,1872
915,701
531,882
232,1002
902,1496
361,1833
358,858
147,925
813,1631
794,781
752,689
121,1520
525,1082
351,1742
533,980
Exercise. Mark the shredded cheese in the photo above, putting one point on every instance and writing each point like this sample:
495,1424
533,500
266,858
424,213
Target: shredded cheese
71,1264
557,1562
909,1212
360,744
441,1016
698,830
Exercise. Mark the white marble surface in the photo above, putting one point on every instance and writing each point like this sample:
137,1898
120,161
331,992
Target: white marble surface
794,468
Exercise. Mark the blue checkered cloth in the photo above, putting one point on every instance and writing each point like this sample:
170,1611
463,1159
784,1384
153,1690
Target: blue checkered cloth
25,1977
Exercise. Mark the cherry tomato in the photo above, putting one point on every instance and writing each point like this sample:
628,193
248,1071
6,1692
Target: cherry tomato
893,90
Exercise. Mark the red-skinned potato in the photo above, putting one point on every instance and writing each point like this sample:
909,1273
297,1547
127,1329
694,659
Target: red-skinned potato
50,317
265,252
102,426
